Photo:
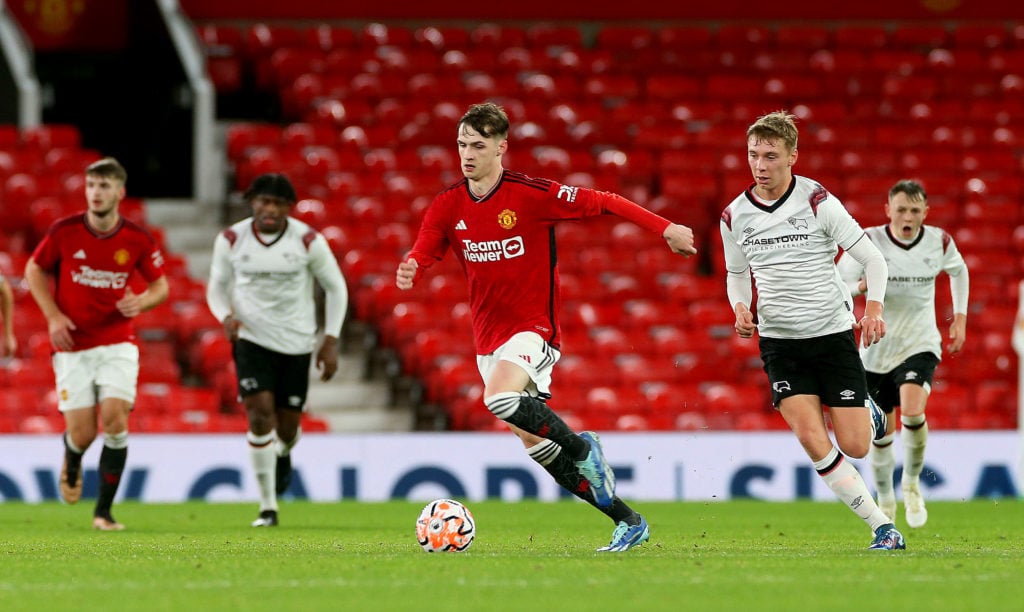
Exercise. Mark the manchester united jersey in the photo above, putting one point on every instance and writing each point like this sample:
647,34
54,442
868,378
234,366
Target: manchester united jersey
910,293
92,271
790,248
505,243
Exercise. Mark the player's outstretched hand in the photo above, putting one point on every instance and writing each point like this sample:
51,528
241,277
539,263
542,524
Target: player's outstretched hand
680,239
406,273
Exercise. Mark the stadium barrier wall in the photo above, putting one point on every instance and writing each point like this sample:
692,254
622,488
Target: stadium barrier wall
473,466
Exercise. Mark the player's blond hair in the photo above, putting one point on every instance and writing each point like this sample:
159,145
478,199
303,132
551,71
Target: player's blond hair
779,126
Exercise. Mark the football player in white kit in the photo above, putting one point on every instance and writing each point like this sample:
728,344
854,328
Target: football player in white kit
900,370
261,289
784,232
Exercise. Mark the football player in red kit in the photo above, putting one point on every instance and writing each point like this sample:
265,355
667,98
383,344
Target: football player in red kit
499,224
91,256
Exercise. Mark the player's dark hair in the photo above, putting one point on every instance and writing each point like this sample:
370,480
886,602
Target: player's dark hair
911,188
777,126
108,167
273,185
488,119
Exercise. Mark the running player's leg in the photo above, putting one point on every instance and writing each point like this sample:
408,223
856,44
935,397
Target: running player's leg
117,375
914,378
287,420
882,457
290,400
259,407
803,373
517,377
79,432
114,415
74,374
914,438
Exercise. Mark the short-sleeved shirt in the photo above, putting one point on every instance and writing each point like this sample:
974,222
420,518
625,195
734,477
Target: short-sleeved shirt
92,270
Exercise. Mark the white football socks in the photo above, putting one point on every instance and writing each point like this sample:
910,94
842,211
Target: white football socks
846,482
264,462
883,462
914,437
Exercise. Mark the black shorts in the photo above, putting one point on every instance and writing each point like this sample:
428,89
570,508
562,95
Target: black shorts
918,369
827,366
261,369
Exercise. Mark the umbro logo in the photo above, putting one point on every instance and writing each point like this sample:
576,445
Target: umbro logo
461,225
80,254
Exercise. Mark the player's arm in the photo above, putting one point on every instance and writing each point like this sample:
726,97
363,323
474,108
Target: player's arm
58,324
7,311
959,289
326,271
737,284
218,295
852,274
678,237
430,246
876,277
844,229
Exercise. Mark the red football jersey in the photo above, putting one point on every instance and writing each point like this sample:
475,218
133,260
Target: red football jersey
92,272
505,243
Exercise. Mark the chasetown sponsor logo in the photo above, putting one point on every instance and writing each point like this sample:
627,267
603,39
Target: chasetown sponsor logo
493,250
777,240
101,279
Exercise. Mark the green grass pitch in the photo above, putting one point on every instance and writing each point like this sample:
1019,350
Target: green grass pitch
527,555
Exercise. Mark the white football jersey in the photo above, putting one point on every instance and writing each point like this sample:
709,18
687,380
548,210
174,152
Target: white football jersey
909,312
790,248
267,284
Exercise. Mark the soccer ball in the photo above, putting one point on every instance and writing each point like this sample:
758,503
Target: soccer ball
445,525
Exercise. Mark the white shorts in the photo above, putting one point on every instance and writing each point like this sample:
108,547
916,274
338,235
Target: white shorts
85,378
528,351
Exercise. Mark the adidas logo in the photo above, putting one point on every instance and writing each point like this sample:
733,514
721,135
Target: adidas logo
80,254
461,225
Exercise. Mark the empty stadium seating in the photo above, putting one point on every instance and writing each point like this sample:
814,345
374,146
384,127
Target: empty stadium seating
660,111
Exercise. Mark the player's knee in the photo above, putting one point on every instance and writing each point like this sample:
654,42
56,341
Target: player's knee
116,440
503,405
855,447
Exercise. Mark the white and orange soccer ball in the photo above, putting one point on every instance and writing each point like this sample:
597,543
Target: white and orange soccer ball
445,525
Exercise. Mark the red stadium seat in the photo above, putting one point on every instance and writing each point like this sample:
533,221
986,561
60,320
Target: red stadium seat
544,35
686,38
803,37
624,38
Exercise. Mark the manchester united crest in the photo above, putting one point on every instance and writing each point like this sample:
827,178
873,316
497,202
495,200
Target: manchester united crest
121,257
507,219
